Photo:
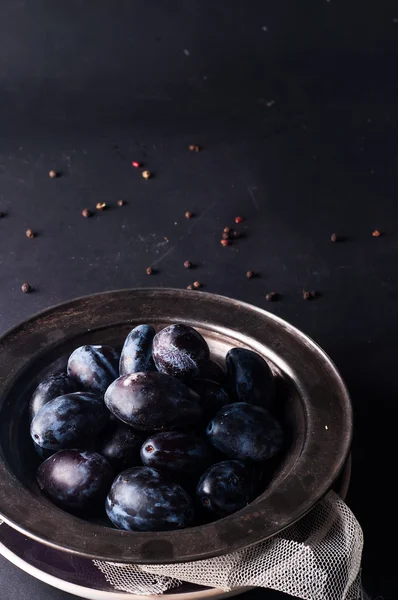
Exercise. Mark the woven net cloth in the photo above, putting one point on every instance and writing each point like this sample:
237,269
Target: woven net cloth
317,558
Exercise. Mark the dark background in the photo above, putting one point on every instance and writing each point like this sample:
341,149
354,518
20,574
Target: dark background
85,88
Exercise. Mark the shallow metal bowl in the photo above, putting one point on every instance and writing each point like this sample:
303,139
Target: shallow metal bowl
316,413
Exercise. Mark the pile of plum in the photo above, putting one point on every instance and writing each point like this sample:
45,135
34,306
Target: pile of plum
160,436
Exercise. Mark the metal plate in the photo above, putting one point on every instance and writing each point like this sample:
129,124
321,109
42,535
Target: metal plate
79,575
317,413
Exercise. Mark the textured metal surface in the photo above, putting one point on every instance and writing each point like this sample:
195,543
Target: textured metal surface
317,412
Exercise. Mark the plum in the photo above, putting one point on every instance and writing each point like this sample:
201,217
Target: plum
176,452
246,432
94,367
212,395
76,481
51,387
136,356
142,499
250,378
69,421
153,401
226,487
120,444
180,351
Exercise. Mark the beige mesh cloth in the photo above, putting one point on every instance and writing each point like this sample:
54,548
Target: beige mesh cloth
318,558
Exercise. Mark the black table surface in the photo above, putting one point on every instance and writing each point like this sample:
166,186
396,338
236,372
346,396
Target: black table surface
294,107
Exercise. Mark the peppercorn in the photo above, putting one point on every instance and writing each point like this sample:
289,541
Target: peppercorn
197,284
149,270
29,233
187,264
194,148
135,164
224,242
86,213
121,202
249,274
376,233
227,230
333,237
52,174
25,287
188,215
225,236
306,295
100,205
271,296
146,174
239,219
190,287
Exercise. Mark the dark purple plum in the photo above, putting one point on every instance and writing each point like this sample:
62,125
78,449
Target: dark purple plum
120,444
136,356
69,421
94,367
153,402
212,395
245,432
76,481
212,371
51,387
142,499
250,378
226,487
176,452
180,351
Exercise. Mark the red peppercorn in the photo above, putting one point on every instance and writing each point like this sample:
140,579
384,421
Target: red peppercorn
135,164
239,219
224,242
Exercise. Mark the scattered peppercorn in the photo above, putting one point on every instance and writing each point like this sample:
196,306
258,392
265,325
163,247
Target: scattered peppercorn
52,174
225,236
333,237
194,148
121,202
306,295
227,230
197,284
188,214
135,164
236,234
190,287
25,287
376,233
239,219
146,174
249,274
100,205
86,213
187,264
224,242
29,233
149,270
271,296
